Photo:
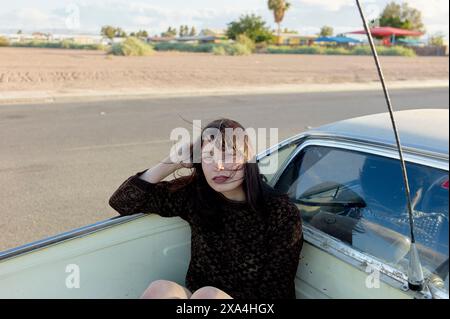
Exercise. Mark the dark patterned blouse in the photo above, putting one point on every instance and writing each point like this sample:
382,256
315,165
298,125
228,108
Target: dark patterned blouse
251,257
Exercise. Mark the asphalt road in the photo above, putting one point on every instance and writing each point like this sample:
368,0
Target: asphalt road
60,163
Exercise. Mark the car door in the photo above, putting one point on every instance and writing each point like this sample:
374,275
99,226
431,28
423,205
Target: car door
352,201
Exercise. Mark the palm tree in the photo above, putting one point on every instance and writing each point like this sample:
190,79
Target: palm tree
279,8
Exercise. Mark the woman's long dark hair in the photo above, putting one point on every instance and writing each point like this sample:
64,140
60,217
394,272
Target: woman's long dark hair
207,200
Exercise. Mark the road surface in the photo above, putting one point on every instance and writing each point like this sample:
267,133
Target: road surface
60,163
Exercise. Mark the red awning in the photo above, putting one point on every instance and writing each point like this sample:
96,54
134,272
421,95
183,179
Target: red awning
388,31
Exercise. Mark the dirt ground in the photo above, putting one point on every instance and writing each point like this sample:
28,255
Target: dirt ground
29,69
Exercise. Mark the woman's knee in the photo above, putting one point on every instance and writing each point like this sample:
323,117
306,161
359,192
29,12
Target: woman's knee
165,289
209,292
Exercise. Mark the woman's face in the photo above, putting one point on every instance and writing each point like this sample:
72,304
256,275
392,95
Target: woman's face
223,168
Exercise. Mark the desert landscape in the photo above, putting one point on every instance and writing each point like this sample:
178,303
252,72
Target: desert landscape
59,70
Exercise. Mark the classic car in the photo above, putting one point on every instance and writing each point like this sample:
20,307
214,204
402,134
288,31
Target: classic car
347,181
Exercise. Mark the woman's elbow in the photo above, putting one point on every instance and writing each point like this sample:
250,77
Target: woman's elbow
121,206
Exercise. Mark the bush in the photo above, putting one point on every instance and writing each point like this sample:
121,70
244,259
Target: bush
294,50
392,51
65,44
261,47
252,26
238,49
4,42
398,51
219,50
101,47
362,50
232,49
30,44
246,41
337,51
132,47
359,50
185,47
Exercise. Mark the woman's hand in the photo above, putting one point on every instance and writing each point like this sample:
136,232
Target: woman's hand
184,155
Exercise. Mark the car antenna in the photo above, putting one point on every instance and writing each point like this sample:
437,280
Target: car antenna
415,273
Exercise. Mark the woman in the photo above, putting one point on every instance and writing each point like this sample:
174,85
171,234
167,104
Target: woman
246,237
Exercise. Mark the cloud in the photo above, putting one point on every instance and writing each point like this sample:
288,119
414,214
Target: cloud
431,9
155,18
433,29
306,15
30,18
331,5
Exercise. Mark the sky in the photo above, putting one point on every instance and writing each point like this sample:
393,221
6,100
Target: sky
305,16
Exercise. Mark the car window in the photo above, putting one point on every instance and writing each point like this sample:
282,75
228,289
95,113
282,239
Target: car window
359,199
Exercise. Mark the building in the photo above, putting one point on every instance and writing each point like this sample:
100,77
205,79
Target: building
294,39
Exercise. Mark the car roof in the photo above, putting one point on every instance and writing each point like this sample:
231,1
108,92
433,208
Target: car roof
425,130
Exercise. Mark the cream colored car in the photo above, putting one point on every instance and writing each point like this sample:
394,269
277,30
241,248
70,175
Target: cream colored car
346,179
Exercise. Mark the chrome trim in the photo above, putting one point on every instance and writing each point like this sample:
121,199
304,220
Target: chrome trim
381,150
317,133
436,160
72,234
388,274
385,150
291,141
325,131
429,156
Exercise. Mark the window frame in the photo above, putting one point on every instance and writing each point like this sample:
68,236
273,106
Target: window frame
360,260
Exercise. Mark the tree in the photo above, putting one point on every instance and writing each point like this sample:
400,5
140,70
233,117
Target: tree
108,31
401,16
111,32
169,33
279,8
142,34
193,32
120,33
184,31
326,31
437,40
252,26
